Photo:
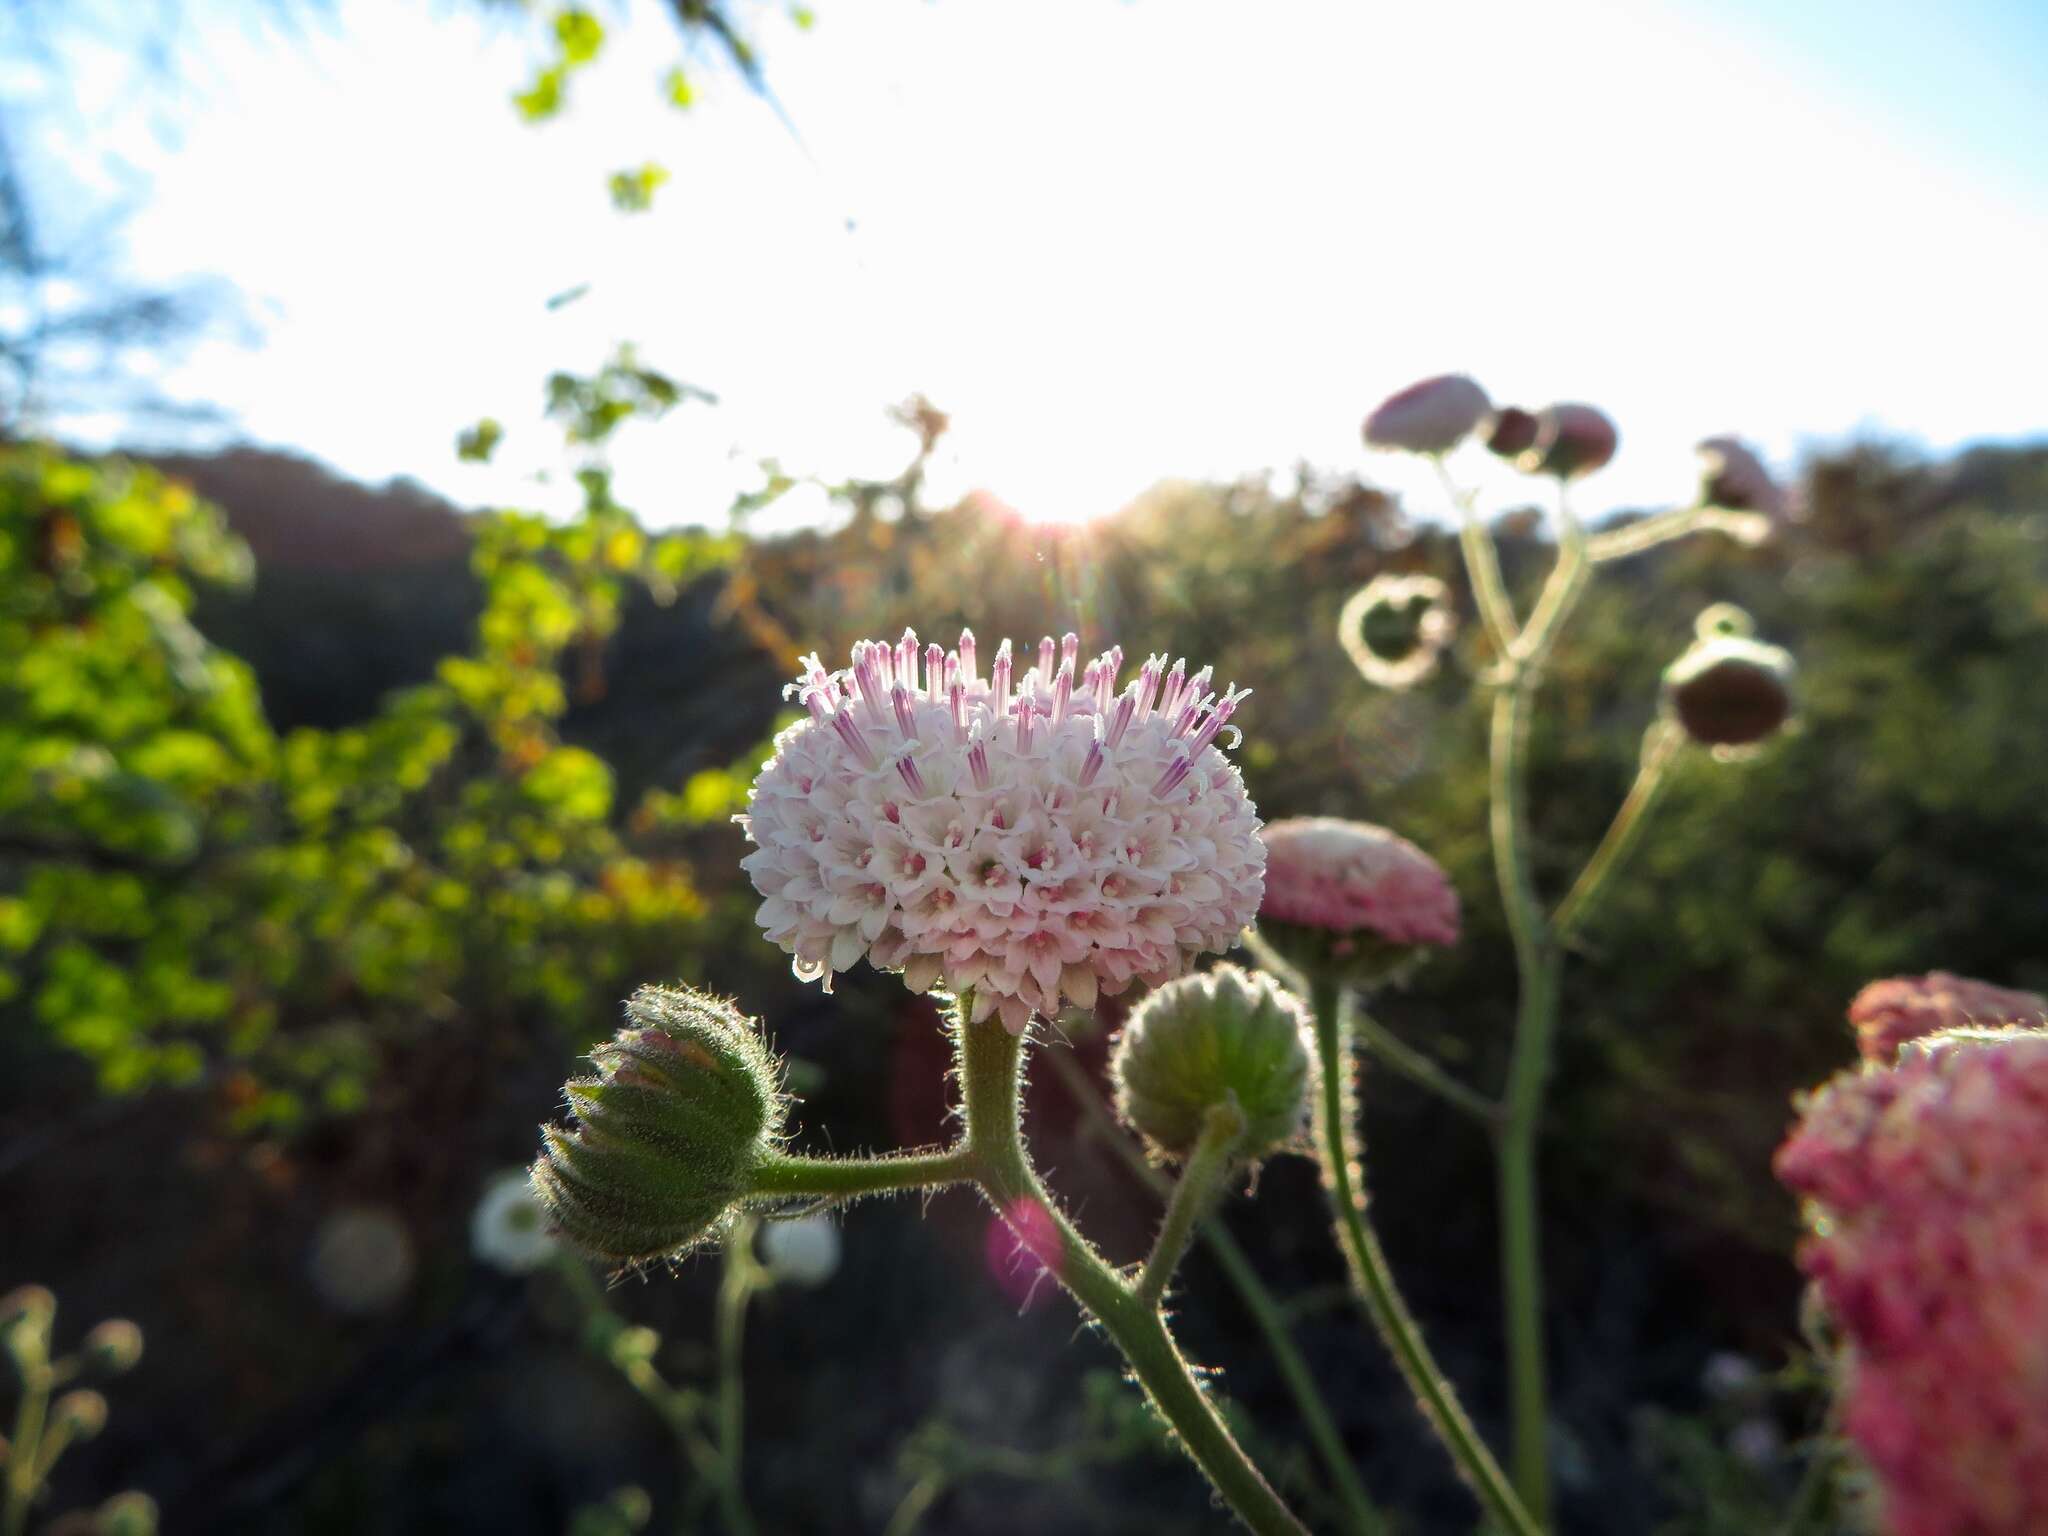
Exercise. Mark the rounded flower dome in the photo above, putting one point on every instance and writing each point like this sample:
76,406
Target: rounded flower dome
1886,1014
1926,1191
1433,416
1354,877
1039,837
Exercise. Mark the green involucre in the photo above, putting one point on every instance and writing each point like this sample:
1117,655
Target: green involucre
685,1105
1201,1040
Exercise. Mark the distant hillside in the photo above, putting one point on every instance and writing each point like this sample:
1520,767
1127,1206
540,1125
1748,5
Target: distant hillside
359,589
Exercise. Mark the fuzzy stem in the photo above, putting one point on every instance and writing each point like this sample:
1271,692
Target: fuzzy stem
1207,1164
24,1450
736,1287
1660,745
1360,1515
846,1178
990,1062
1338,1146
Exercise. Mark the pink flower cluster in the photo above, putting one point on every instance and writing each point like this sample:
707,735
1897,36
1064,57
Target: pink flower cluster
1039,837
1351,876
1926,1190
1886,1014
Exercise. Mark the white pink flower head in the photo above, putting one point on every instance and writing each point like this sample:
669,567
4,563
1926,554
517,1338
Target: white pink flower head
1886,1014
1354,895
1040,835
1926,1195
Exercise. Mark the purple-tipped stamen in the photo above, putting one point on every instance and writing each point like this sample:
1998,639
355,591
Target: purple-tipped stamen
1120,718
1219,716
999,680
1170,780
1062,692
1091,765
966,654
1045,655
1070,647
977,763
906,719
935,672
906,765
856,740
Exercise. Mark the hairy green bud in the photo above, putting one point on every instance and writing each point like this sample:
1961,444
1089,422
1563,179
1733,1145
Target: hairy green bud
685,1104
1208,1039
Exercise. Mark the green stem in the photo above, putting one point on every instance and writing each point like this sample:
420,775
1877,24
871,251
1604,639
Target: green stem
990,1062
1660,746
851,1177
1421,1070
1267,1314
1482,561
25,1448
1338,1147
735,1289
1536,1013
1193,1194
1618,544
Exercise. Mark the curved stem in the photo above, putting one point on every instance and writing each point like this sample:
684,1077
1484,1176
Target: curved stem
1422,1071
735,1289
990,1060
1193,1193
1619,543
1271,1319
1338,1146
851,1177
1660,746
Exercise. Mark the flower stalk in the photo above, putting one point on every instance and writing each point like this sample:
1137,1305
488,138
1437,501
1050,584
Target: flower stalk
1338,1145
991,1068
1193,1196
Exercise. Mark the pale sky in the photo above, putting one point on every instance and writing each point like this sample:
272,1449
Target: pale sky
1118,240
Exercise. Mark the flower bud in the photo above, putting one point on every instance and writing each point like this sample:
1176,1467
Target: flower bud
114,1347
79,1415
1431,417
1395,628
1352,900
1571,440
1729,690
1734,477
27,1313
685,1103
126,1514
1514,432
1205,1040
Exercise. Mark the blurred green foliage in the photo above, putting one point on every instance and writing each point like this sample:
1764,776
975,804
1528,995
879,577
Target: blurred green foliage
187,895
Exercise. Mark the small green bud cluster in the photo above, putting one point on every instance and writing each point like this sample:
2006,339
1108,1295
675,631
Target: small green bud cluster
1729,690
685,1105
1209,1039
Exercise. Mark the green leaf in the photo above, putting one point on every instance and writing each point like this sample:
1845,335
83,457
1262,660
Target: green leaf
476,444
580,34
633,191
676,87
542,99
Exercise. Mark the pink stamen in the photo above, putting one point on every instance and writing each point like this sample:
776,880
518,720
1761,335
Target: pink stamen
1171,779
977,764
999,680
1063,692
966,654
907,766
856,741
1045,653
1120,719
935,672
1091,765
906,721
1070,647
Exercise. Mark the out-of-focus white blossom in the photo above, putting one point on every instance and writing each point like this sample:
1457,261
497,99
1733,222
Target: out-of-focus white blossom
509,1229
801,1251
